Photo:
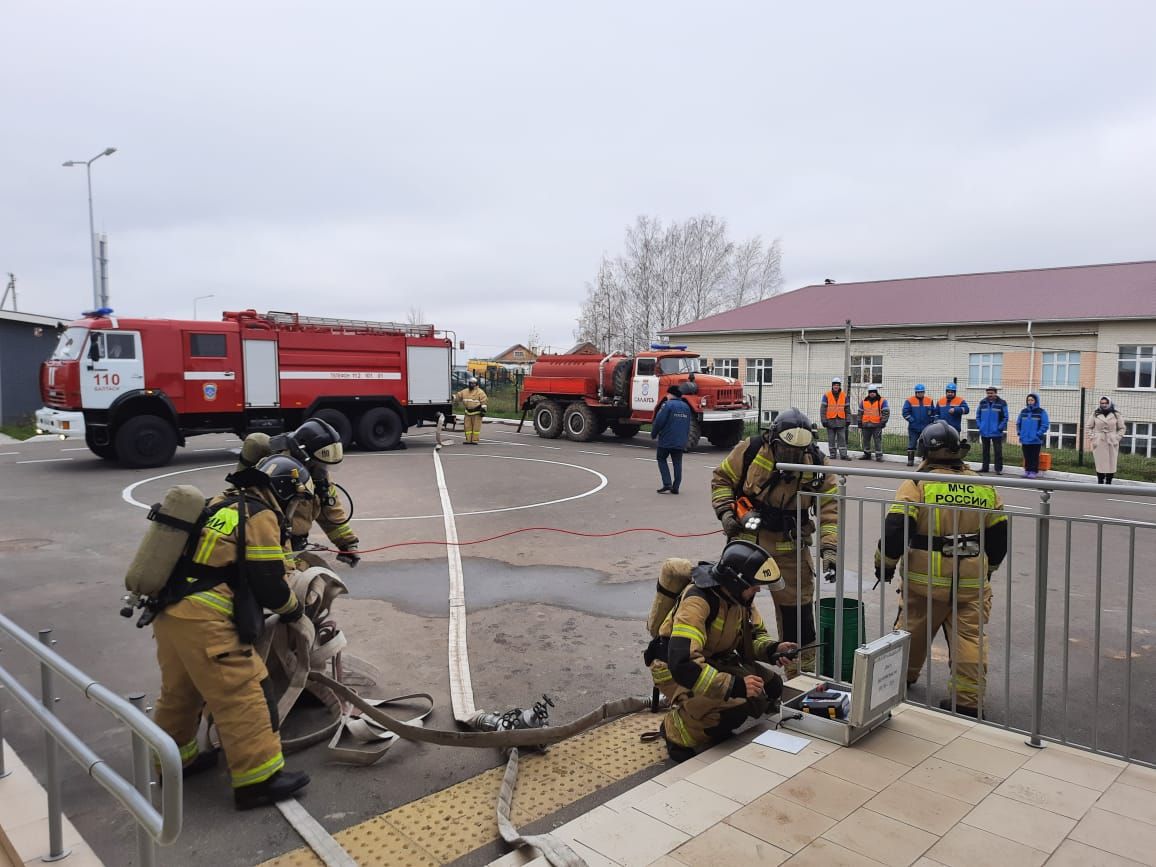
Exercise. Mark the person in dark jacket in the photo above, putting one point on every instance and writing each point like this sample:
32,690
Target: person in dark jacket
992,416
1032,429
671,427
919,411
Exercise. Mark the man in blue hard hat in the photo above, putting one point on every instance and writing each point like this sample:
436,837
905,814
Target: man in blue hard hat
918,411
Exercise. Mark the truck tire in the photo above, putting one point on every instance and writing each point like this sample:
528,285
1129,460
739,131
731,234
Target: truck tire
145,441
340,422
625,431
379,429
695,433
106,452
580,423
726,434
548,419
621,381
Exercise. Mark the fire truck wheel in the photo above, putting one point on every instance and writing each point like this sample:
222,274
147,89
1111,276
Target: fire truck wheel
145,441
548,419
726,434
621,379
625,431
695,433
340,422
379,429
580,423
106,452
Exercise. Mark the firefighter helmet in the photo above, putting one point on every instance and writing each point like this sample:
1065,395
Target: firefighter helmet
792,428
472,381
941,443
741,566
288,478
316,440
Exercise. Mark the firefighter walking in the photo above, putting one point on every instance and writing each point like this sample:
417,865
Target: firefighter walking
473,401
210,615
956,533
756,502
707,654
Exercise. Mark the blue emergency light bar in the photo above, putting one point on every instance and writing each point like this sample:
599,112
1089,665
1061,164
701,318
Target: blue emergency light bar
665,346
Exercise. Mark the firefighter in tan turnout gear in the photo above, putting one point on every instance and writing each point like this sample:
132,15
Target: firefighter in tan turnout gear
210,615
757,502
473,400
705,657
949,561
317,445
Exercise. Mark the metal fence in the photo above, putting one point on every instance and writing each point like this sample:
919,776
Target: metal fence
1070,640
1069,412
136,796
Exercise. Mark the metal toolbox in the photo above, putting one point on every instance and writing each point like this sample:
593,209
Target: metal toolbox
878,684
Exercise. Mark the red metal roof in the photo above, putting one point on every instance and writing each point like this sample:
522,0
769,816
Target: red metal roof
1083,292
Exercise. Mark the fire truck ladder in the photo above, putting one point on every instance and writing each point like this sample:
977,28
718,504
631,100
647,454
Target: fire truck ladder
360,326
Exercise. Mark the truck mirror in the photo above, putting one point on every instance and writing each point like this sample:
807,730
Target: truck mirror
461,344
94,349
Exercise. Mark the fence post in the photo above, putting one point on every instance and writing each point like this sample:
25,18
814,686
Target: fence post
56,849
3,771
1043,537
840,562
1080,427
142,779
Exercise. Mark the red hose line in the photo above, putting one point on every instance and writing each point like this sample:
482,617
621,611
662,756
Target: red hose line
442,542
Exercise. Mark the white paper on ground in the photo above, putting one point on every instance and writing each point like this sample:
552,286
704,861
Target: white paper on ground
777,740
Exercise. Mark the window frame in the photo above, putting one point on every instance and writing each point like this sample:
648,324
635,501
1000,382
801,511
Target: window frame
989,365
1061,432
765,365
224,338
1128,442
730,364
1056,364
858,366
1142,360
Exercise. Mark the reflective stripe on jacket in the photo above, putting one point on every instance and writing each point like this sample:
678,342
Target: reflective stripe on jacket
919,412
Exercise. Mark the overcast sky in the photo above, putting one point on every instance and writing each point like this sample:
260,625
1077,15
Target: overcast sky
475,160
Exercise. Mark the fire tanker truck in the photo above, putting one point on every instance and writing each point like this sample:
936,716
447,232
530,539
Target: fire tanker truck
583,395
135,389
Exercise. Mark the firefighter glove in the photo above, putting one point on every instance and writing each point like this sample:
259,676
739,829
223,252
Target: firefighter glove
884,571
829,563
730,524
351,557
292,616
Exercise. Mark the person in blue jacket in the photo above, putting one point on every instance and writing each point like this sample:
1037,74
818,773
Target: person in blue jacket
671,427
1032,429
951,408
918,411
992,416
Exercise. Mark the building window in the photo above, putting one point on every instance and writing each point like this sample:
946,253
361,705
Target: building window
759,371
769,416
986,368
727,367
1139,438
1136,367
971,429
207,346
1062,435
867,369
1061,370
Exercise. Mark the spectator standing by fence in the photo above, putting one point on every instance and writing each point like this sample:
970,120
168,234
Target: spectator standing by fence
1105,431
874,413
919,411
992,417
952,408
1032,429
833,414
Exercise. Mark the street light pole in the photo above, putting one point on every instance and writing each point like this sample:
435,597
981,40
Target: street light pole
199,298
99,299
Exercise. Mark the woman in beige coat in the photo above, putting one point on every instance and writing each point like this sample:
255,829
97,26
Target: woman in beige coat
1105,430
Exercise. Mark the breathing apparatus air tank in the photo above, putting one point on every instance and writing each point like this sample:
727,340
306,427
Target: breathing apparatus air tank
171,523
672,580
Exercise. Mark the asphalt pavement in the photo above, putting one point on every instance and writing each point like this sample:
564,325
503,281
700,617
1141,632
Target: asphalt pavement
558,608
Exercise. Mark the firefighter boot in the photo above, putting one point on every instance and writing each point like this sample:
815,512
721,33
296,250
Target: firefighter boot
278,787
910,458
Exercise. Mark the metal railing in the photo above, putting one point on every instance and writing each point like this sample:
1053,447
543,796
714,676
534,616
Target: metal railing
136,795
1074,668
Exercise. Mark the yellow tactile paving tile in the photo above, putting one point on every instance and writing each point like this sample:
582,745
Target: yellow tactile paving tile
446,825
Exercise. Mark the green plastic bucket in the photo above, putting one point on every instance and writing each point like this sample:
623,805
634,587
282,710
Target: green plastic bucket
853,621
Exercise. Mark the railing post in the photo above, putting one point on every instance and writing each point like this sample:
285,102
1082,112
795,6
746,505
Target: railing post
3,771
1043,537
840,562
56,849
142,779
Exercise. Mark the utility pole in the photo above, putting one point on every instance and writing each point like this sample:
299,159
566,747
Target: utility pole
847,359
10,289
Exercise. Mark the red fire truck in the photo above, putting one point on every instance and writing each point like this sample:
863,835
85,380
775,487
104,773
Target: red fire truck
135,389
583,395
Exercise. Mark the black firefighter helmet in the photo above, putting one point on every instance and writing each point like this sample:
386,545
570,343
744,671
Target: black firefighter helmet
941,443
315,440
741,565
288,478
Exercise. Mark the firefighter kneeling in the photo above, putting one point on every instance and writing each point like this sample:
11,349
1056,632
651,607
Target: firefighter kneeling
210,615
705,656
949,562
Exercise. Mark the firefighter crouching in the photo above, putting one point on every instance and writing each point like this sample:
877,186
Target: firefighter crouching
956,574
705,658
211,613
756,502
473,400
317,445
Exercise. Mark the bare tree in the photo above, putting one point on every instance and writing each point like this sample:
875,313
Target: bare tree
533,340
415,316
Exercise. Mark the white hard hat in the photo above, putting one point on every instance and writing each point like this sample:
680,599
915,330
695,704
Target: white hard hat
836,381
873,387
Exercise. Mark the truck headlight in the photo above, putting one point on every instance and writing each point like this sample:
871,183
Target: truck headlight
705,401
